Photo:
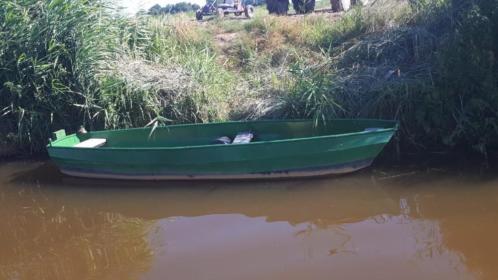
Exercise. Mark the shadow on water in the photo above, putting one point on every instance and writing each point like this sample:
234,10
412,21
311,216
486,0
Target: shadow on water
86,227
294,201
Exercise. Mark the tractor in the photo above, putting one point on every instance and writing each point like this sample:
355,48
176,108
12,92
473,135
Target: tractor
281,7
221,8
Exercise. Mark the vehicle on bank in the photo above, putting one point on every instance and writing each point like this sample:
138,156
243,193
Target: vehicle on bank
281,7
220,8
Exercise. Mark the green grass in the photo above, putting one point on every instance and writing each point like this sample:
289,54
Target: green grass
429,64
70,63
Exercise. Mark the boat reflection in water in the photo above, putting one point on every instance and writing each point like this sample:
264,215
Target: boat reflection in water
429,226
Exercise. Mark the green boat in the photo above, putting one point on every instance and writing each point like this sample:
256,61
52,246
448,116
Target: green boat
229,150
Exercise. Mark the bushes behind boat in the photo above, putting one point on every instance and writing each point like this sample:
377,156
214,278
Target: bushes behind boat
67,63
430,64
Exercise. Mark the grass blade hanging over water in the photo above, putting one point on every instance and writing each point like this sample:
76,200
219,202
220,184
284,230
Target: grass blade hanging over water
155,122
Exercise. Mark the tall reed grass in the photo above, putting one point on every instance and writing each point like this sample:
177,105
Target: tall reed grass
71,63
429,64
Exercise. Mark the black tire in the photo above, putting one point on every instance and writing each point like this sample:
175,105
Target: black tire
298,6
303,6
249,11
278,7
198,15
309,6
336,5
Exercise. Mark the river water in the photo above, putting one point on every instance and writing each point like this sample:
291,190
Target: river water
367,225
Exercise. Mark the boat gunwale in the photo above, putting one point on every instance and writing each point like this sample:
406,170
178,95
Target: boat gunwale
300,139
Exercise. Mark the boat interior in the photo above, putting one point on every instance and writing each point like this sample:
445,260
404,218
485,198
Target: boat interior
228,133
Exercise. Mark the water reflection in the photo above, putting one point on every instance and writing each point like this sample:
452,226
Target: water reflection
43,237
352,227
466,210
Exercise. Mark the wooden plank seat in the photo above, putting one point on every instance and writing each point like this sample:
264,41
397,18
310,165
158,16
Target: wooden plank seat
91,143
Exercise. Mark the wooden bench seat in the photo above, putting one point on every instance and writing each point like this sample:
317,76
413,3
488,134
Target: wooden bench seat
91,143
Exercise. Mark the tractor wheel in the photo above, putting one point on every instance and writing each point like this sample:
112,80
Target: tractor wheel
303,6
336,5
198,15
298,6
220,13
279,7
249,11
309,6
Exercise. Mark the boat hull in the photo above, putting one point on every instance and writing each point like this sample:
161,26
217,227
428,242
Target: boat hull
296,173
298,157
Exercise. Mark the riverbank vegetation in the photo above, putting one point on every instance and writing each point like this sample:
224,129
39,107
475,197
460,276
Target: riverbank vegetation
180,7
429,64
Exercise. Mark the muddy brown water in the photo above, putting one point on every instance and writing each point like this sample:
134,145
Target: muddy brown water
367,225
